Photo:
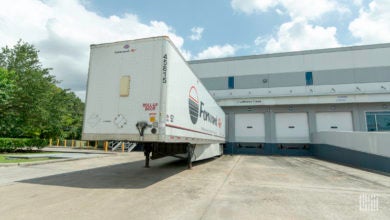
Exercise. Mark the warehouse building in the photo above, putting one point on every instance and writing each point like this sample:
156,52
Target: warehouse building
280,103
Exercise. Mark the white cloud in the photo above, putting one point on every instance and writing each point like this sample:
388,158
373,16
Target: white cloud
373,24
186,54
261,40
217,51
252,6
358,2
14,23
300,35
63,31
279,12
309,9
196,33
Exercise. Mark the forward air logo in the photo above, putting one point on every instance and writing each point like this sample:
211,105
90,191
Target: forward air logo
193,103
197,109
126,49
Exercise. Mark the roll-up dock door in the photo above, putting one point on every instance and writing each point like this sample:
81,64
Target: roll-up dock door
292,128
334,121
249,127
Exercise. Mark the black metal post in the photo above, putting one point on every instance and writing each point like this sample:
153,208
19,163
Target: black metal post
190,153
147,151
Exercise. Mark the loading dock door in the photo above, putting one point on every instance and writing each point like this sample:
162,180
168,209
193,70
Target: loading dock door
249,127
334,121
292,128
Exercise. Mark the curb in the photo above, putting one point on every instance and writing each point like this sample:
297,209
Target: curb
76,150
27,164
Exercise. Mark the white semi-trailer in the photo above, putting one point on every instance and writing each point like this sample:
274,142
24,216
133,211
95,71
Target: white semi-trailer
143,91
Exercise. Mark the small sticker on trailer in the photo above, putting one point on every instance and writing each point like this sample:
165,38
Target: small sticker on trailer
150,106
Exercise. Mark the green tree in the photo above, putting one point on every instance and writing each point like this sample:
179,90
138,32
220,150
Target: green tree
73,118
7,93
66,114
33,85
31,103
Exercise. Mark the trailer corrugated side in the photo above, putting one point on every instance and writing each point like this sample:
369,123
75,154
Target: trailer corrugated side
143,91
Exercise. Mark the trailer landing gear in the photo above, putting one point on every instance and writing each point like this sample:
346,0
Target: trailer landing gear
190,153
147,151
182,151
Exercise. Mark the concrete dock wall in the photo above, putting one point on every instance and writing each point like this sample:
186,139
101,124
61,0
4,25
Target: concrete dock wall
377,143
367,150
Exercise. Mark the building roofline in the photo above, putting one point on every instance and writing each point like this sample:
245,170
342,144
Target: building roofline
303,52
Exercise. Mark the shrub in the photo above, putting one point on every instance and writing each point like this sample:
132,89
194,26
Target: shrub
15,144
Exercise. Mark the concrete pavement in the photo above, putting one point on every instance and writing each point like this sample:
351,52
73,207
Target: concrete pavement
231,187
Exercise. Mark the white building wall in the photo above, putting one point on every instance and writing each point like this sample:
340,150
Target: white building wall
350,79
327,59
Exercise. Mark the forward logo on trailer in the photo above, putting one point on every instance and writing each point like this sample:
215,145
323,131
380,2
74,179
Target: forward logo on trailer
197,109
193,103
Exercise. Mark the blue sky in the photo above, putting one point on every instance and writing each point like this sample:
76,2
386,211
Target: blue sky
220,23
63,29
